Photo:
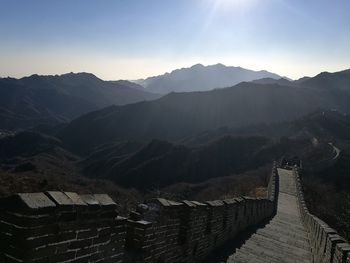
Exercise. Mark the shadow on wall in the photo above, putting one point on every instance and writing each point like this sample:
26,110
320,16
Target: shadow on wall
229,248
327,245
65,226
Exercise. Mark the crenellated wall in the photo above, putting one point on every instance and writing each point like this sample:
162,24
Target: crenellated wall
60,227
67,227
327,245
188,231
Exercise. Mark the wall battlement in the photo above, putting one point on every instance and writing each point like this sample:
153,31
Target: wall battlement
327,245
67,227
60,227
188,231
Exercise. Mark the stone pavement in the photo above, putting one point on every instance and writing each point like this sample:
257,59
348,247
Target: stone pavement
284,238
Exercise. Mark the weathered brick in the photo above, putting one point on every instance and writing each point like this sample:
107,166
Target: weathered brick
27,203
80,243
89,233
86,251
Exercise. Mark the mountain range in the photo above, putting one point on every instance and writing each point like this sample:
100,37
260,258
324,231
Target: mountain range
179,115
100,136
48,100
202,78
35,100
146,168
146,165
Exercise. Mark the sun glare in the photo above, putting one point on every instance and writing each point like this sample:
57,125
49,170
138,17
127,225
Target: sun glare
227,5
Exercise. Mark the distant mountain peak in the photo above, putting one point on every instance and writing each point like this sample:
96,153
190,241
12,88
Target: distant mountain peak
202,78
198,65
85,74
72,75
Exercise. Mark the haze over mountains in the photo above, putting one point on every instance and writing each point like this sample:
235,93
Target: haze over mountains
178,115
34,100
37,100
181,100
192,145
202,78
158,163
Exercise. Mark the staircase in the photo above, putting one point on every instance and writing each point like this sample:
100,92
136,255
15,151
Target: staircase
284,238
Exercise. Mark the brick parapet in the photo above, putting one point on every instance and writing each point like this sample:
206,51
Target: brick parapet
272,188
60,227
189,231
67,227
327,245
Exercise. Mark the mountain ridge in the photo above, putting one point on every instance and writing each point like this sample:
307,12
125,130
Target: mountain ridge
176,116
201,78
36,100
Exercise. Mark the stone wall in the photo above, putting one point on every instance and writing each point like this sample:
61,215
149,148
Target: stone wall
327,245
187,231
67,227
273,186
60,227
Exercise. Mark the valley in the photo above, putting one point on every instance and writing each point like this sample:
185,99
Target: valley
206,145
150,131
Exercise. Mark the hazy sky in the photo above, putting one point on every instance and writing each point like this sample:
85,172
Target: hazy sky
129,39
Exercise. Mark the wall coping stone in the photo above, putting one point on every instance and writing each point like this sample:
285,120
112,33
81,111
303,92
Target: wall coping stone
189,203
194,203
239,199
35,228
215,203
344,247
36,200
121,218
76,199
230,201
105,200
27,202
59,198
90,200
144,222
199,203
165,202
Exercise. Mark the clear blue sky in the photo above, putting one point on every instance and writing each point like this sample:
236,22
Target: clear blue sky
136,38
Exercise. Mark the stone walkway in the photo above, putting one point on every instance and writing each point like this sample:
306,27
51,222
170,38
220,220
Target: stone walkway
284,238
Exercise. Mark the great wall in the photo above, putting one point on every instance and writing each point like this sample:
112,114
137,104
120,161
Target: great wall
67,227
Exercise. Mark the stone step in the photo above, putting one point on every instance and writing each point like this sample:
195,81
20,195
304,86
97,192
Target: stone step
294,246
284,238
246,254
273,253
294,222
248,251
280,225
248,258
292,233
